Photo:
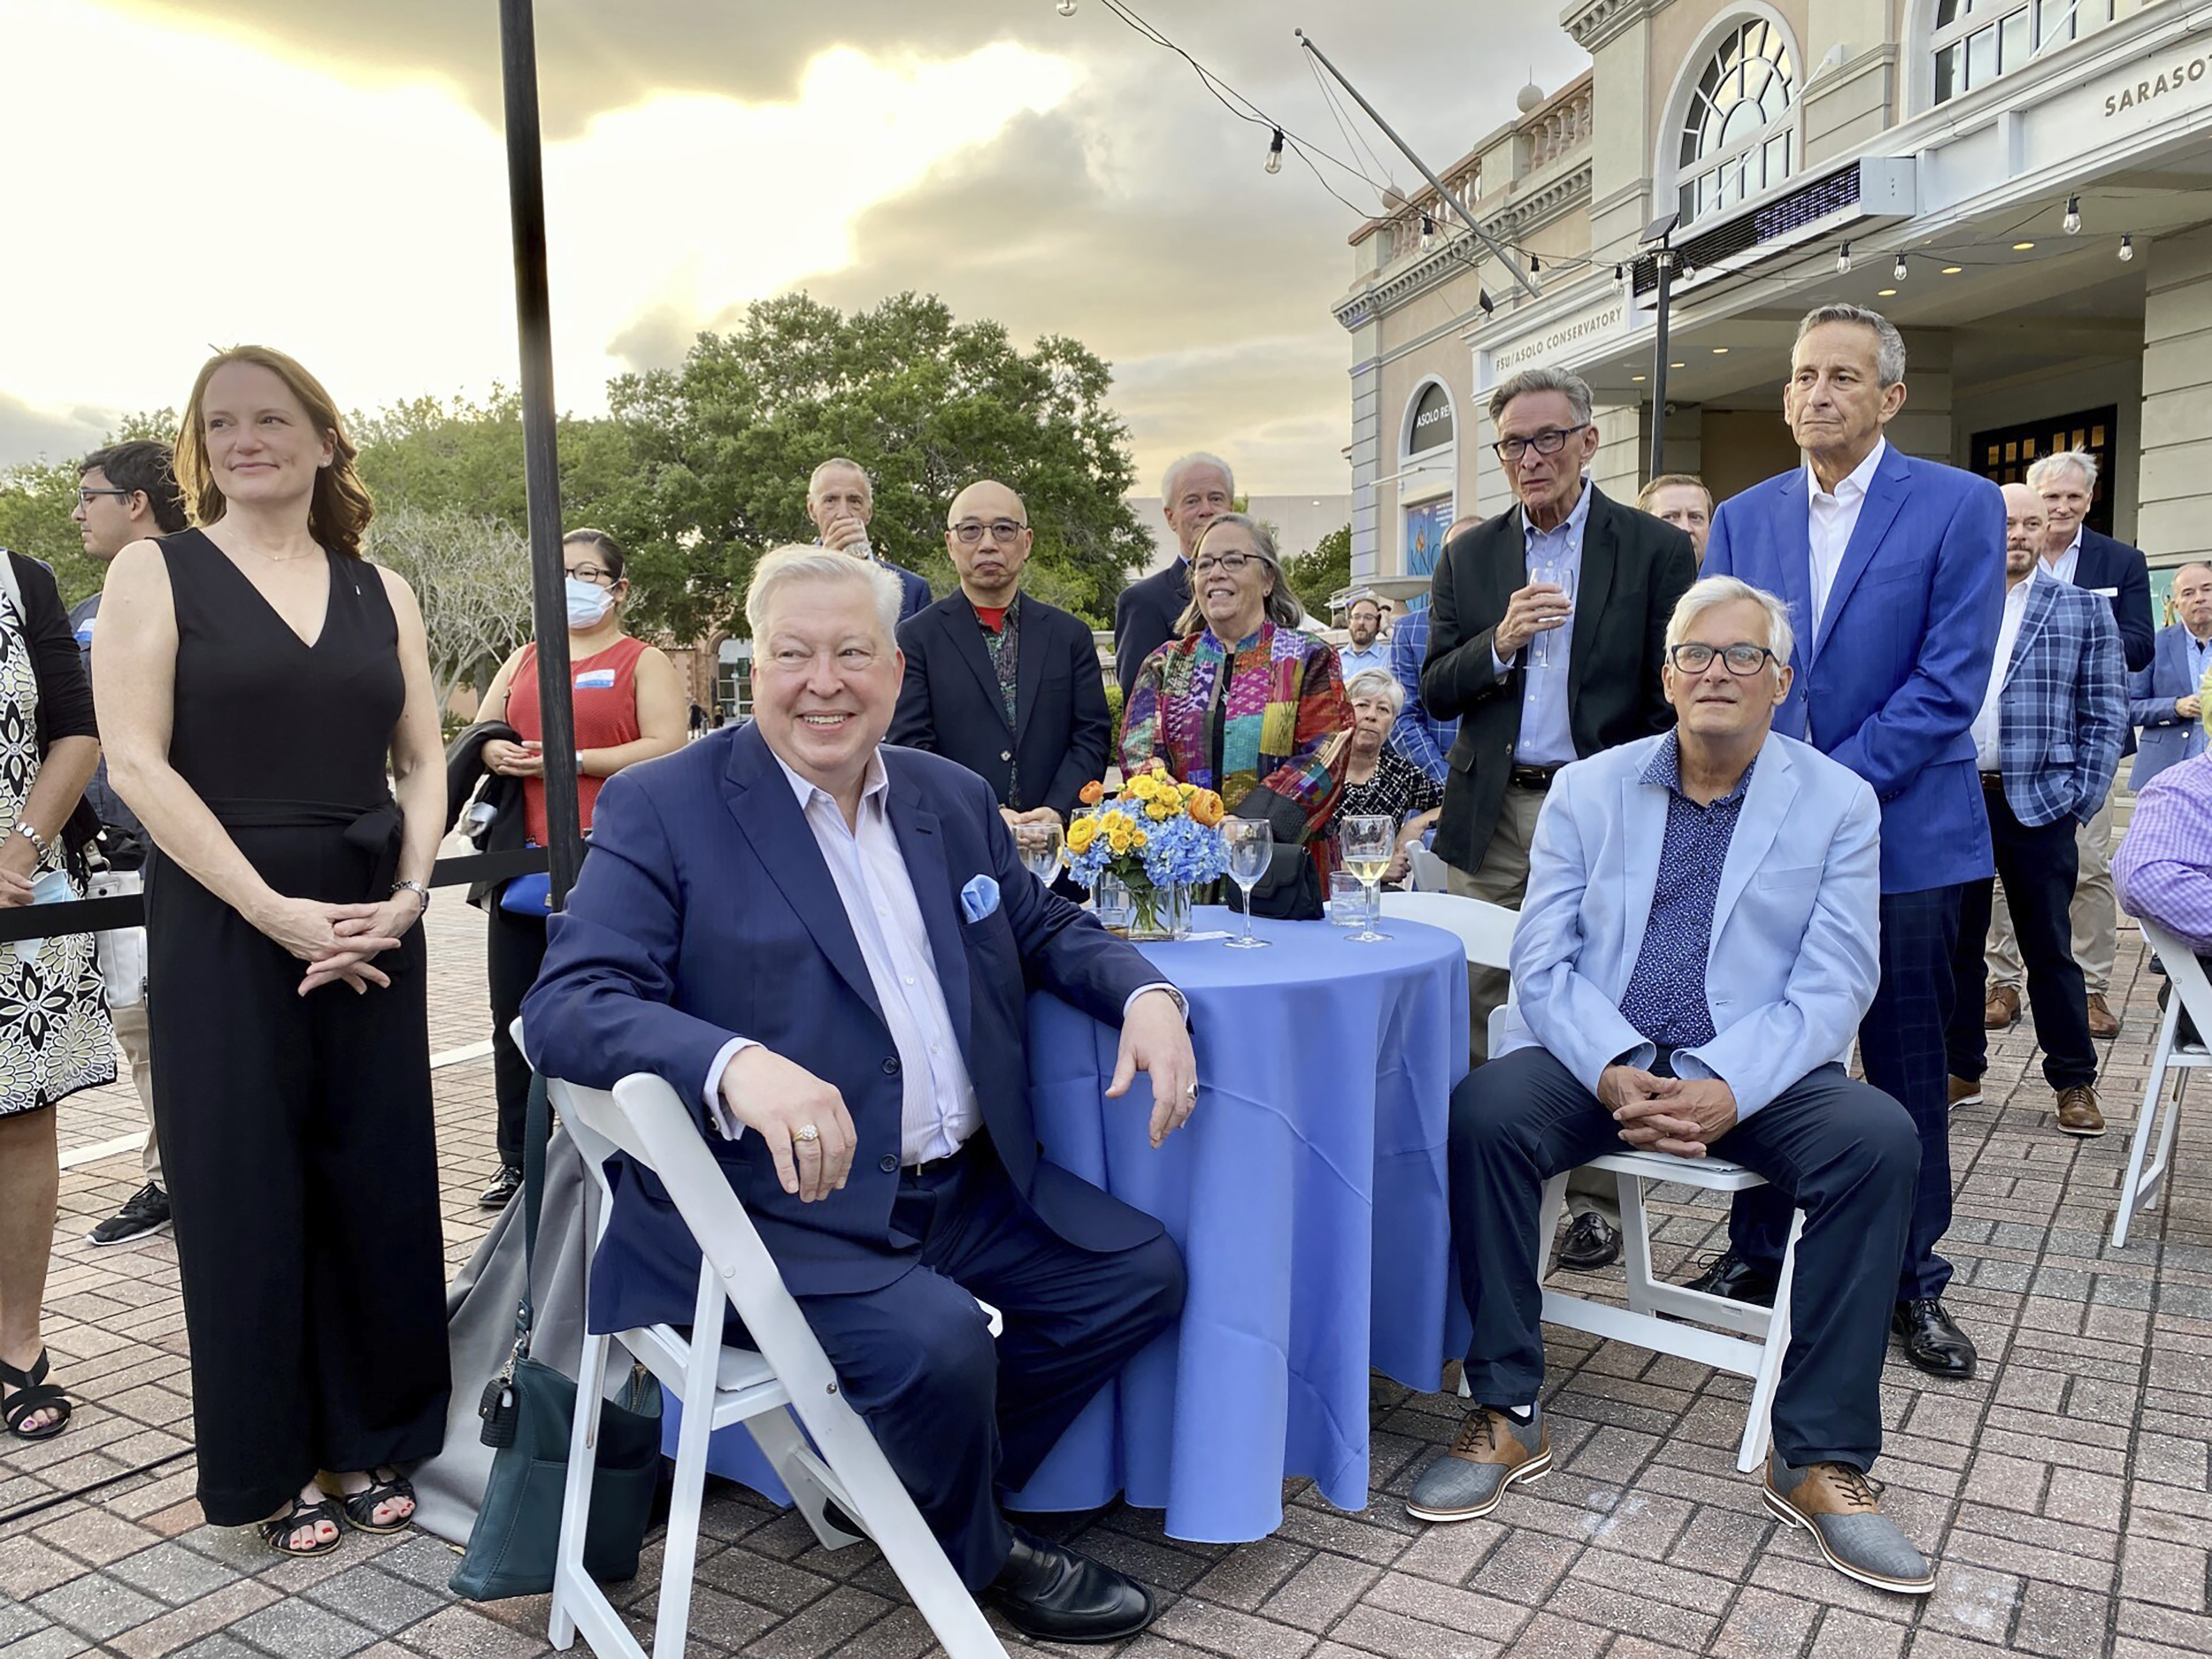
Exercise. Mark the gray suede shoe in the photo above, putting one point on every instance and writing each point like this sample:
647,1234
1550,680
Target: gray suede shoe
1491,1452
1836,1504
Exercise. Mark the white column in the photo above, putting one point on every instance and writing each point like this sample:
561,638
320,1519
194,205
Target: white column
2171,523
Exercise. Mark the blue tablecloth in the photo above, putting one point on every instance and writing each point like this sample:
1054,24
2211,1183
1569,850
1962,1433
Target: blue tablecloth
1309,1195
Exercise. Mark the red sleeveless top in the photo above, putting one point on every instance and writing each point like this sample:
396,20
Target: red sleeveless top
606,717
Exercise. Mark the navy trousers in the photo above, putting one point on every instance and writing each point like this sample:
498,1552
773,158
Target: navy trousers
1901,1047
1845,1152
2038,866
959,1416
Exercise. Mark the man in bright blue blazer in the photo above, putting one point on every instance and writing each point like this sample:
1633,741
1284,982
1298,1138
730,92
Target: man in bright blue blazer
1696,948
2162,698
1892,570
826,946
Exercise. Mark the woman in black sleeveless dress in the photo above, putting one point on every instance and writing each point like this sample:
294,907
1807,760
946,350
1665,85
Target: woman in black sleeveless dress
256,678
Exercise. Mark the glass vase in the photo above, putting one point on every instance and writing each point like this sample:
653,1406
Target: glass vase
1141,911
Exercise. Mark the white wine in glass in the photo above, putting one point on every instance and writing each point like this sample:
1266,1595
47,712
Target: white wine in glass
1368,842
1251,841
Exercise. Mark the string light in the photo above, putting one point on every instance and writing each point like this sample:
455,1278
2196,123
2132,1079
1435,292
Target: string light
1896,271
1428,232
1274,148
1621,278
1534,265
2127,249
2071,224
1844,261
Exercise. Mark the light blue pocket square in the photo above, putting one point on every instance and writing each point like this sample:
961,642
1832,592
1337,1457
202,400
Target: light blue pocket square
979,897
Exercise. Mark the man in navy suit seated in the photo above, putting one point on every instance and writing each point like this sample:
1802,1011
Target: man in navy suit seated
824,942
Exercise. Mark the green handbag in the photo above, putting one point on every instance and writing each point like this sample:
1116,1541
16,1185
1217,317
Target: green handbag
528,1408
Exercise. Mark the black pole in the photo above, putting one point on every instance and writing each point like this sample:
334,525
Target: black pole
526,196
1665,258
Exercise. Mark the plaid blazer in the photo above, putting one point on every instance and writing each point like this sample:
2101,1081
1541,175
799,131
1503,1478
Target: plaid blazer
2063,706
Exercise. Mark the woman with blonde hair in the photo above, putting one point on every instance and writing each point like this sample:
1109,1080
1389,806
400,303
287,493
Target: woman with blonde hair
257,679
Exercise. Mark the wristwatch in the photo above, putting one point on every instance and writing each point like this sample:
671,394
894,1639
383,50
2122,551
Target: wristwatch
418,890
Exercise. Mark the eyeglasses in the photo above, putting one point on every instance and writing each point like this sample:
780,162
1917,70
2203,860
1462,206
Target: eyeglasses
1740,660
972,530
86,497
593,574
1550,441
1228,564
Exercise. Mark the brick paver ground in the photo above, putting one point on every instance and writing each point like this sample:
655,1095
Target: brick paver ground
2065,1490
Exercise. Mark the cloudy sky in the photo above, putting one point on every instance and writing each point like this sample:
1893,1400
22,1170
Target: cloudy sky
330,179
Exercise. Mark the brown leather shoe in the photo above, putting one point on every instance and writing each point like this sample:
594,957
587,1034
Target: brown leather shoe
1966,1091
1840,1508
2079,1113
1491,1454
2001,1012
2102,1022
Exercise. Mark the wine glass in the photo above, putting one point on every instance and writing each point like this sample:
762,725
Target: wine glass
1039,844
1543,652
1369,839
1251,841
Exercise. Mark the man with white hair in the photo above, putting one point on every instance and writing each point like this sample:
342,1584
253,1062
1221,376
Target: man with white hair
2066,482
1685,980
841,501
1197,488
825,943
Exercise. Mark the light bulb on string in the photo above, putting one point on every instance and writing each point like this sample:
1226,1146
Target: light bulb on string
1621,278
2071,224
1844,261
2127,249
1066,8
1534,265
1428,232
1274,145
1896,272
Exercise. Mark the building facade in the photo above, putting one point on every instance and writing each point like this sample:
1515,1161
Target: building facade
2024,186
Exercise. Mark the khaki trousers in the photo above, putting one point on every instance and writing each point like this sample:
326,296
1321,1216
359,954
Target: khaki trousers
1504,879
138,1052
2095,913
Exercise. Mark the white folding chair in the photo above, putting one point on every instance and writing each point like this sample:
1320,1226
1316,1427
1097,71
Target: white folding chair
2159,1118
1484,929
718,1386
1762,1334
1430,872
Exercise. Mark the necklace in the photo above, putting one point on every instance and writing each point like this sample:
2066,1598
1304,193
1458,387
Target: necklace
282,558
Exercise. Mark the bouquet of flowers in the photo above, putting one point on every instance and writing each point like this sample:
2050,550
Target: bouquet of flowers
1155,836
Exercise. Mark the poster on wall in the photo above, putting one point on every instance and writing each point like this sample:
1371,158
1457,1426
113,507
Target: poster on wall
1425,523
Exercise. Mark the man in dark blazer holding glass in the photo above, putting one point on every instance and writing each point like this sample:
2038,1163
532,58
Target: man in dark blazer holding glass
1532,692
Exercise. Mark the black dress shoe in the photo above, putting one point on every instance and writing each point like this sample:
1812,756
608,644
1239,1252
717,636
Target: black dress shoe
505,1185
1731,1276
1591,1243
1932,1339
1050,1592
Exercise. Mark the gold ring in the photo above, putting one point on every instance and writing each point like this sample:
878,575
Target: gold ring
806,1133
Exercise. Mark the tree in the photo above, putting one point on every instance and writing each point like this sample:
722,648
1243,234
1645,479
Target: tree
454,455
721,449
471,573
1328,570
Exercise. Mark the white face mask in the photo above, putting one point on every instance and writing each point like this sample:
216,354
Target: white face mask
588,603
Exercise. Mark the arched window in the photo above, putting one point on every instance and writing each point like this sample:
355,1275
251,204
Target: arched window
1739,134
1975,41
1428,475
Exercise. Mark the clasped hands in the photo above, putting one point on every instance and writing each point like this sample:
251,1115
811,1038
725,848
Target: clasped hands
1678,1115
339,942
804,1122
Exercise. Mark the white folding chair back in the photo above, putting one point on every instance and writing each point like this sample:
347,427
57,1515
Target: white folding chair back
1428,871
718,1386
2158,1118
1486,929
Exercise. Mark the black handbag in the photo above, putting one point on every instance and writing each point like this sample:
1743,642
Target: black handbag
1289,889
527,1410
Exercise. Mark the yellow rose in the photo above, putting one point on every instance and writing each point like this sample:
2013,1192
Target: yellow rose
1143,787
1138,841
1186,790
1159,812
1081,833
1158,764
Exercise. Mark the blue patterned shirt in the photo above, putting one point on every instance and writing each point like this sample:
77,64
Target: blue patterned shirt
1666,997
1421,740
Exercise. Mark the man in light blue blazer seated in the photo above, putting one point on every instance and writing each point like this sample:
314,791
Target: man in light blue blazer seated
1697,950
2162,699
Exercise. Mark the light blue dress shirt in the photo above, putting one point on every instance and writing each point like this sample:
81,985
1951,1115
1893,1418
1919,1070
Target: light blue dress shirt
1547,737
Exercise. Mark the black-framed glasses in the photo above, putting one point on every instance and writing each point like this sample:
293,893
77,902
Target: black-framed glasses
972,530
87,496
1742,660
1228,564
594,574
1550,441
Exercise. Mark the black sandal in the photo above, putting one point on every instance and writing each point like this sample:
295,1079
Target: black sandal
33,1393
360,1508
277,1532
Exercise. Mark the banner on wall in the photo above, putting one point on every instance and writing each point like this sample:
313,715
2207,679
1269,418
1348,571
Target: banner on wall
1425,523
